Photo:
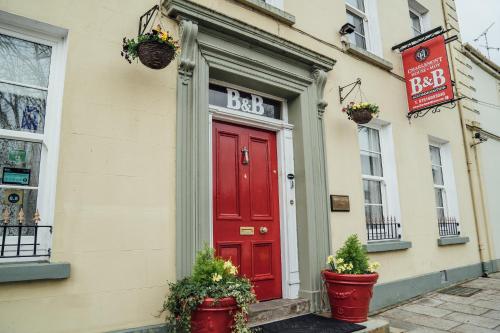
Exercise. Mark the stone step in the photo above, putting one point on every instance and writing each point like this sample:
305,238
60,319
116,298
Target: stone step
278,309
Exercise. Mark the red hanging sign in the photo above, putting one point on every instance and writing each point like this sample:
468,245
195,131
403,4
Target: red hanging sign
427,74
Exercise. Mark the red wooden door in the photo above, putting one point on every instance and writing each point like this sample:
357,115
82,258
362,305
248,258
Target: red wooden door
246,222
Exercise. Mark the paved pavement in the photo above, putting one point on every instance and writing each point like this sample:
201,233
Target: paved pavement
436,312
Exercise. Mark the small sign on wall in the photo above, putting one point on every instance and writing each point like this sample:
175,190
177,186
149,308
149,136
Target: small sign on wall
16,176
340,203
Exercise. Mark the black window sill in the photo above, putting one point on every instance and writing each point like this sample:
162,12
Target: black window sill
369,57
387,246
454,240
32,271
265,8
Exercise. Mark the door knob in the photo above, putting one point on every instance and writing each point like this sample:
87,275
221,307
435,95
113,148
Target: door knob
263,230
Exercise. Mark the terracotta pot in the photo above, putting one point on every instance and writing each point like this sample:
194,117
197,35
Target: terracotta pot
349,295
214,316
361,116
154,54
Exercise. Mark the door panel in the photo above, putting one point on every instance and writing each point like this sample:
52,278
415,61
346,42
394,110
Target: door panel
246,205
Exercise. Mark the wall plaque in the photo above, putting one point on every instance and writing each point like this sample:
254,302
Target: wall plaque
340,203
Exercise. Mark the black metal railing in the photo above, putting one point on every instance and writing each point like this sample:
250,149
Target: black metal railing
383,228
448,226
23,240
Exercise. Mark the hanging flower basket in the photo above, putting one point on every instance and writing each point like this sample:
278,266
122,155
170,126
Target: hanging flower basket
155,49
361,113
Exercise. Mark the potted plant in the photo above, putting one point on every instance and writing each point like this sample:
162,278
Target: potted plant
361,113
349,281
155,49
213,299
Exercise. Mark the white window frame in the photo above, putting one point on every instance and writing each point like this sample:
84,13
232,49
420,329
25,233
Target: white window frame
420,20
423,13
37,32
450,194
390,196
370,25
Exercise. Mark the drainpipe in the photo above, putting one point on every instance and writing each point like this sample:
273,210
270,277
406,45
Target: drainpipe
482,238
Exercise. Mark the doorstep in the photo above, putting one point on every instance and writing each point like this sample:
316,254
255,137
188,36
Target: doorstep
277,309
281,309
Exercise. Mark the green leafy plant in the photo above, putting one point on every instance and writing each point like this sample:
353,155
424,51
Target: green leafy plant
212,278
355,107
351,258
131,46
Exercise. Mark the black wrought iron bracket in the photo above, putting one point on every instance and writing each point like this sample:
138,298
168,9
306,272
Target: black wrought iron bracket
424,37
433,109
146,18
354,85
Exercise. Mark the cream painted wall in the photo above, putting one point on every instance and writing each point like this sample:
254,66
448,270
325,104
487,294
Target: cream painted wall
115,206
488,90
116,187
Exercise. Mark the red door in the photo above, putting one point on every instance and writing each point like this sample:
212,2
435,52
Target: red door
246,209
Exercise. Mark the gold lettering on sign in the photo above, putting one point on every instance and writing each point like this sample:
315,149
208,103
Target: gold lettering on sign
247,231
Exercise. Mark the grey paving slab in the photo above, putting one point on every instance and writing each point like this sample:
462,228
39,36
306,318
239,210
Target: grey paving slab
467,328
474,320
463,308
483,283
454,299
419,319
426,310
487,304
427,301
492,314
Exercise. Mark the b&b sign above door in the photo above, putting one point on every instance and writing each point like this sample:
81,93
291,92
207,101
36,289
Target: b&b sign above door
234,99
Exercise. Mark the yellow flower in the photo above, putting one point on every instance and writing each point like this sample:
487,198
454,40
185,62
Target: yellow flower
373,266
216,277
227,264
330,260
233,270
340,260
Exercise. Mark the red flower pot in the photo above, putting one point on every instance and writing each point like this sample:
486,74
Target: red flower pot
350,295
214,316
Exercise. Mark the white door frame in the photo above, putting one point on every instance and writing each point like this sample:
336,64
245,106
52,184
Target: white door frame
284,140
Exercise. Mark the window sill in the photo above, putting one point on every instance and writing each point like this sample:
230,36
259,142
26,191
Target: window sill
31,271
445,241
386,246
369,57
265,8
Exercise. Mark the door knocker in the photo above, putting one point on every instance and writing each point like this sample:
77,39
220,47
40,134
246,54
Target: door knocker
244,155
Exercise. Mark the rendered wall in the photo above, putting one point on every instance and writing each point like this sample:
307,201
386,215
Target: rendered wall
488,90
115,215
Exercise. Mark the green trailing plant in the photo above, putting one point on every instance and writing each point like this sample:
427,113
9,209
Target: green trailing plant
130,47
351,258
212,278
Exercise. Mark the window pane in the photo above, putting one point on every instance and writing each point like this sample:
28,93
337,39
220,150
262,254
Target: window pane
13,200
373,191
415,21
369,139
359,4
435,155
22,108
371,164
440,214
18,158
360,41
439,193
374,214
437,175
357,22
24,62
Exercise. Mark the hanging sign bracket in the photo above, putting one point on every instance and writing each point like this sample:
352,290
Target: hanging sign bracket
146,17
354,85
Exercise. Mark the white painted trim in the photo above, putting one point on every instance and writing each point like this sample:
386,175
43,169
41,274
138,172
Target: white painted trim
371,26
288,224
276,3
451,198
390,193
55,37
